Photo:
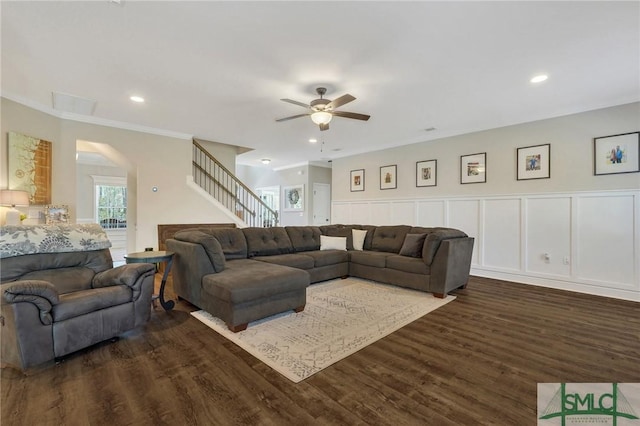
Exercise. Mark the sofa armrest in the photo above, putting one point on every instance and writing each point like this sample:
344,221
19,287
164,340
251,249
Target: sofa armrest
190,264
451,265
131,275
40,293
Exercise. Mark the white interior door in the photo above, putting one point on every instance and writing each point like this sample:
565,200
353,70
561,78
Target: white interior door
321,204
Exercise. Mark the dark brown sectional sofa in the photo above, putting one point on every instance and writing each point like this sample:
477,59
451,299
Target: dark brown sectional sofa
245,274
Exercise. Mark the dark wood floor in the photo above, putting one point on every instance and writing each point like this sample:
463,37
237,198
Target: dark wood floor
475,361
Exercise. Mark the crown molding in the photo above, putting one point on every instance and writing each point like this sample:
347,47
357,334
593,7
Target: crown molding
94,120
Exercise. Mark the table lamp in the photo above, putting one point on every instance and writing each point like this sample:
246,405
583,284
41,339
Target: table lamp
13,198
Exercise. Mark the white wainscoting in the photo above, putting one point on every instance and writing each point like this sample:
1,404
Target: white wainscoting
584,241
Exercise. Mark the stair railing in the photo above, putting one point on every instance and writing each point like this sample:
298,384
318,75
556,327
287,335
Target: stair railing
225,187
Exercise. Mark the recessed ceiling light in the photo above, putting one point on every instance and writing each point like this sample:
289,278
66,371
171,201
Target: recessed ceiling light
138,99
539,78
313,140
429,129
265,161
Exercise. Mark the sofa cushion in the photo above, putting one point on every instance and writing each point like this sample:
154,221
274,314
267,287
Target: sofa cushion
339,231
304,238
389,238
412,245
231,241
85,301
333,243
370,258
211,245
247,280
359,235
267,241
328,257
408,264
294,260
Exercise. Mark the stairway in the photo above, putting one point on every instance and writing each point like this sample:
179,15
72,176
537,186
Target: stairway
215,179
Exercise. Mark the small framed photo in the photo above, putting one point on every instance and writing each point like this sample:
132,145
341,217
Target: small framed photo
56,214
293,198
534,162
388,177
616,154
426,173
473,168
357,180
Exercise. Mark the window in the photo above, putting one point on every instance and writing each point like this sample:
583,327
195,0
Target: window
111,202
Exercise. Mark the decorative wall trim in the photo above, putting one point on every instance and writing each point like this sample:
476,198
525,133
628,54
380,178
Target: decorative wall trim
95,120
587,242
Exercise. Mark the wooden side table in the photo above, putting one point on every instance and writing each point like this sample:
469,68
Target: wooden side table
155,257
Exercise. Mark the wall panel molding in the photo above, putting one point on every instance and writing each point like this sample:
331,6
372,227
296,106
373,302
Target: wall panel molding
578,241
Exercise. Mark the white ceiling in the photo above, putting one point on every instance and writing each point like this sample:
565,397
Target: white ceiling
216,70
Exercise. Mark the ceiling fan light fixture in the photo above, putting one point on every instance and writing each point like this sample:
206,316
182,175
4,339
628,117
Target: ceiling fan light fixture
321,117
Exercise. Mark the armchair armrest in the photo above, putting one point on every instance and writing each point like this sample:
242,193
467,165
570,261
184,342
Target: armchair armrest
122,275
130,275
41,293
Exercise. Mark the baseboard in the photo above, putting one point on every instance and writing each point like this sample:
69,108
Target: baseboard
595,290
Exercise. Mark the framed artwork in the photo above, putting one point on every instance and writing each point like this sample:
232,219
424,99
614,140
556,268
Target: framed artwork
357,180
534,162
426,173
29,167
56,214
293,198
616,154
388,177
473,168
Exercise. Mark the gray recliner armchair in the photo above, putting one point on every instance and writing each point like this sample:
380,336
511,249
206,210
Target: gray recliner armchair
61,293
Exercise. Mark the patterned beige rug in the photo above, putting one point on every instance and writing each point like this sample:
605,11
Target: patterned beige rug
340,318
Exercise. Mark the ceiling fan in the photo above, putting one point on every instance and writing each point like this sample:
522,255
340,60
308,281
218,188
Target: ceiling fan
323,110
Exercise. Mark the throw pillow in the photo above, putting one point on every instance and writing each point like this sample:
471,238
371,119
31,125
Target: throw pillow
412,245
358,239
340,231
333,243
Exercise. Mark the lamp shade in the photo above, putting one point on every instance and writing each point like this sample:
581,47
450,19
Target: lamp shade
12,197
321,117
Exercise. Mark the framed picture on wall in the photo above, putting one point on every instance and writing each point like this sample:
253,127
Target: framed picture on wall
357,180
426,173
473,168
56,214
616,154
534,162
388,177
29,167
293,198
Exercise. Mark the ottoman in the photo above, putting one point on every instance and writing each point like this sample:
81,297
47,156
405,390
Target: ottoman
248,290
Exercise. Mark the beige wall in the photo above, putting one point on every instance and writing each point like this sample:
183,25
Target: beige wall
571,139
154,161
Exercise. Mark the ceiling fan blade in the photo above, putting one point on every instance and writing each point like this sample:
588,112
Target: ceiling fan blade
344,99
292,117
324,126
354,115
291,101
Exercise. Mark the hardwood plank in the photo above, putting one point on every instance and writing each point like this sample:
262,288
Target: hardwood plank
476,360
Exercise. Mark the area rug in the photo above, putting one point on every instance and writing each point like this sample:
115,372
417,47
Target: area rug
340,318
